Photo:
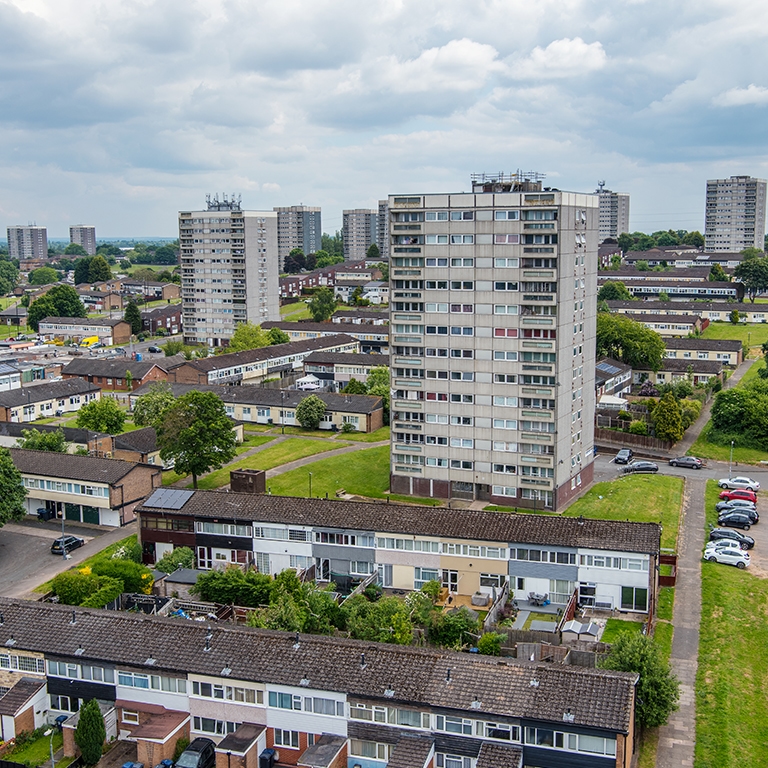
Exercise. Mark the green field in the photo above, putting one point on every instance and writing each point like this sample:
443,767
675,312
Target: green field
363,473
294,312
753,334
731,705
616,627
368,437
666,603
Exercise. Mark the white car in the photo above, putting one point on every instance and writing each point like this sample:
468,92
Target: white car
739,482
728,556
722,544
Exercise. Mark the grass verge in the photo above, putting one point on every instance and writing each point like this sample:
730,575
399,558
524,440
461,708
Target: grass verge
706,450
300,431
666,603
753,334
616,627
363,473
731,706
368,437
38,751
294,312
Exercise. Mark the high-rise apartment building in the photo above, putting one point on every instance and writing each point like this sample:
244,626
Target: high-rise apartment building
382,239
229,272
735,214
85,236
30,242
613,218
492,342
298,226
359,230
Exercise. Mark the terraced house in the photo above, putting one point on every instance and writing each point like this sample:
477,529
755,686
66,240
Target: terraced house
318,701
609,564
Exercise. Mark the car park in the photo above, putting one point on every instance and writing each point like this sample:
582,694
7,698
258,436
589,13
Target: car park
739,482
736,520
689,462
728,556
624,456
723,534
739,493
734,506
70,543
641,466
201,753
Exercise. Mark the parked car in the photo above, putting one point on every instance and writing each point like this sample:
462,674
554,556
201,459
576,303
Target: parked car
623,456
736,504
739,493
727,555
690,462
154,350
69,543
641,466
750,512
722,544
736,520
201,753
721,534
739,482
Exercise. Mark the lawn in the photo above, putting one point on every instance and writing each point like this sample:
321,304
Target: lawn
38,751
363,473
282,453
731,705
325,433
666,603
753,334
368,437
706,450
552,618
252,441
616,627
645,499
294,312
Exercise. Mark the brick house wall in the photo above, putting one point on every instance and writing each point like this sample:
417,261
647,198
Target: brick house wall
25,721
132,489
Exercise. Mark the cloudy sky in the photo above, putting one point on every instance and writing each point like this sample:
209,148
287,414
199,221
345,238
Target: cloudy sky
119,113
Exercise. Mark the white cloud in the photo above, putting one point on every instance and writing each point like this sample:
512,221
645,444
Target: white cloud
561,58
740,97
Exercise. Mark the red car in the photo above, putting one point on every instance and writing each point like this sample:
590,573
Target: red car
740,493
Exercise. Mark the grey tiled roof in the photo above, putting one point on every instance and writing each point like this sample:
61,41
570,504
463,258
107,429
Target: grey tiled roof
662,318
553,530
411,751
350,328
83,321
499,756
713,345
41,392
70,466
19,695
141,440
89,366
690,307
596,698
71,434
677,365
345,358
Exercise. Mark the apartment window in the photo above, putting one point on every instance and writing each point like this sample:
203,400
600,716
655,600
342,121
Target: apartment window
464,262
437,239
465,308
505,469
460,464
506,215
501,445
466,354
465,330
284,700
437,262
456,398
461,240
436,285
506,263
510,333
434,461
436,216
422,575
453,725
435,440
505,285
436,418
462,285
437,330
505,423
506,309
462,215
462,421
504,355
462,376
459,442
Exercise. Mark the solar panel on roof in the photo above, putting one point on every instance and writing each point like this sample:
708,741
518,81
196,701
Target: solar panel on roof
608,368
168,498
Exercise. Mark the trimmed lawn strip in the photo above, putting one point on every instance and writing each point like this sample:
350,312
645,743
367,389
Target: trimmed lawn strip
105,554
648,744
616,627
293,312
731,706
666,603
662,636
252,441
363,473
326,433
552,618
706,450
753,334
368,437
416,500
248,427
37,751
282,453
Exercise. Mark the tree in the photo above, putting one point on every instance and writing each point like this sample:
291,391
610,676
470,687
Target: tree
75,249
753,273
626,241
166,254
90,732
181,557
734,316
197,434
82,270
452,629
355,387
247,336
12,491
9,276
150,408
383,267
386,620
234,586
378,384
36,440
132,316
373,252
310,411
717,274
311,262
173,347
323,305
98,270
629,341
642,266
136,578
103,415
490,644
295,261
277,336
658,689
43,276
59,301
663,296
694,238
614,291
668,419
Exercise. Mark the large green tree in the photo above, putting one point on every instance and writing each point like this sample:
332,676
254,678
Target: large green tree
277,336
98,270
12,492
629,341
196,434
59,301
247,336
37,440
377,384
614,290
657,689
103,415
310,411
82,270
181,557
717,274
75,249
132,316
668,419
323,305
90,732
43,276
9,276
694,238
741,414
753,273
150,408
373,252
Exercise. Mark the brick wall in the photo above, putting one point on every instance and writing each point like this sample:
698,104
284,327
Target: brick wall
132,489
25,721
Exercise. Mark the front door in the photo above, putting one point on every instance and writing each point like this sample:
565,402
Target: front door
323,569
451,580
204,558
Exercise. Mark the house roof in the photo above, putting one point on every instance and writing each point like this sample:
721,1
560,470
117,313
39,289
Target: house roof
70,466
596,698
208,364
411,751
606,368
91,366
41,392
662,318
250,395
71,434
697,343
140,440
306,326
346,358
19,695
343,315
698,273
676,365
324,751
499,756
241,740
415,520
5,368
165,309
688,306
84,321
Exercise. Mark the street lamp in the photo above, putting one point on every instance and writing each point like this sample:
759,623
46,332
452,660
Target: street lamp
282,411
730,461
50,733
310,485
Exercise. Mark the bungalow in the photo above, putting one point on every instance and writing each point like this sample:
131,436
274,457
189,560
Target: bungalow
167,318
254,365
652,287
613,379
370,339
95,443
45,400
712,311
116,375
361,316
673,370
339,367
15,315
84,488
725,351
77,328
10,377
152,291
677,325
